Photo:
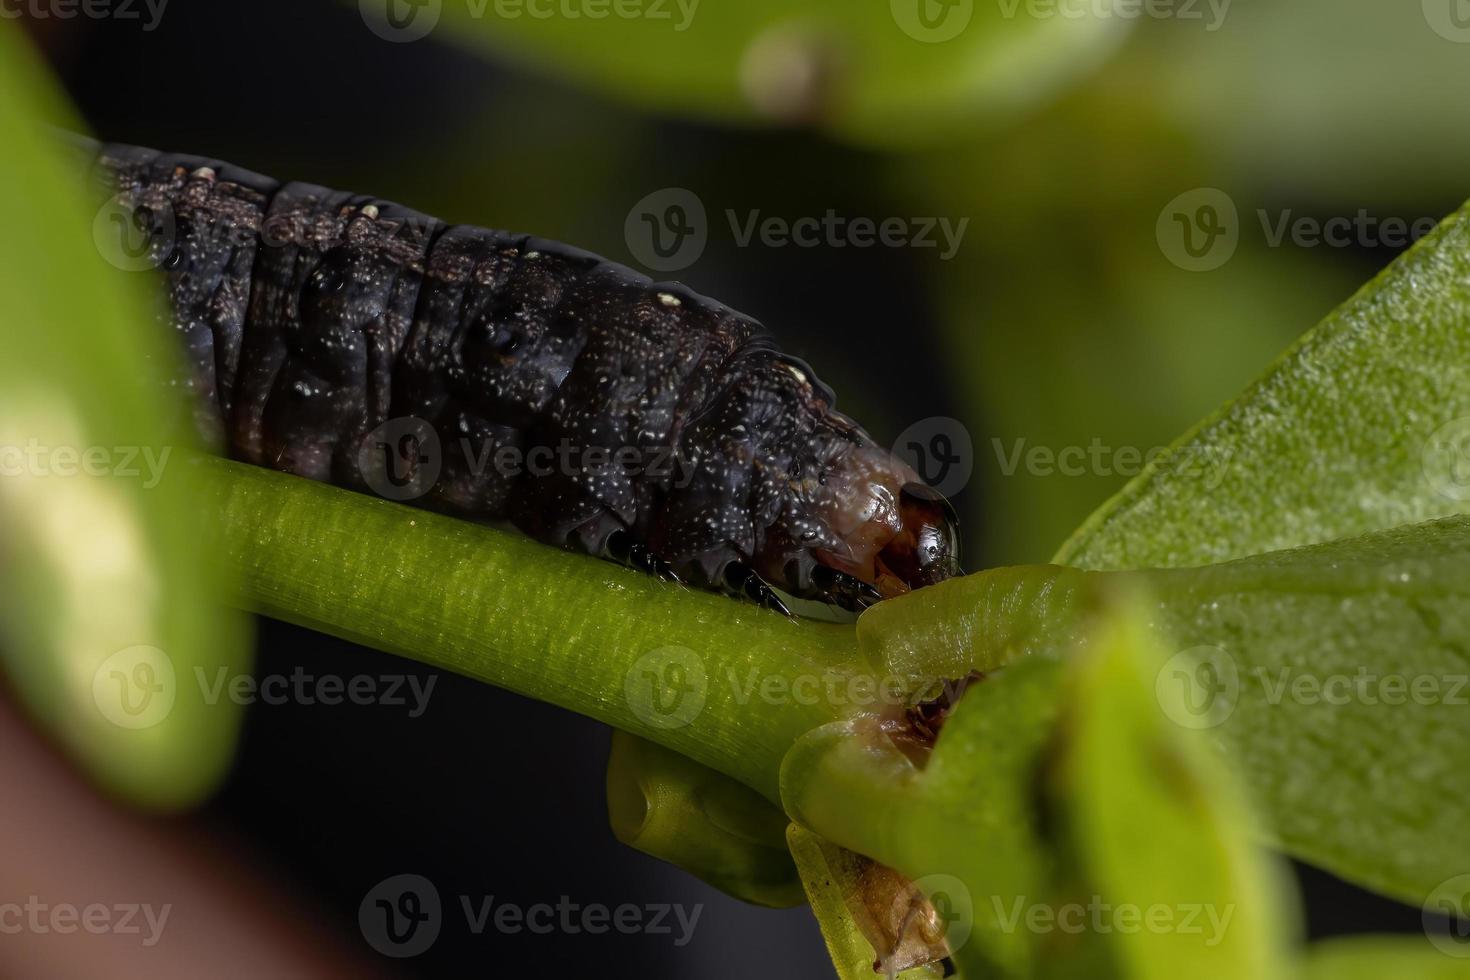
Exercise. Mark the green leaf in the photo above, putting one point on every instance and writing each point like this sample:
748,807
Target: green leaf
886,72
1165,876
1363,425
1376,957
108,613
964,824
1326,673
1059,787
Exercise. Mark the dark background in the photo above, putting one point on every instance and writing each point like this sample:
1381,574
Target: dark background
487,793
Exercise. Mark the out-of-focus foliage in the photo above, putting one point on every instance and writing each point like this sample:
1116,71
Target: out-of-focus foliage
1327,102
1317,671
1155,826
887,72
1091,803
109,630
1380,957
1363,425
1078,347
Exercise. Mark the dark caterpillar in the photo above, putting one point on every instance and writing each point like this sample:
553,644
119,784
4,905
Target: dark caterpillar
673,435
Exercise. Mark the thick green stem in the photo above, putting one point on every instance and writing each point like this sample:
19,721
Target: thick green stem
725,683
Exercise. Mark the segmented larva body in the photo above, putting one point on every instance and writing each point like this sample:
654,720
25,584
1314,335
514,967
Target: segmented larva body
679,437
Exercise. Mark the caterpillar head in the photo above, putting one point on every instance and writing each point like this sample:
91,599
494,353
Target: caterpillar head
892,532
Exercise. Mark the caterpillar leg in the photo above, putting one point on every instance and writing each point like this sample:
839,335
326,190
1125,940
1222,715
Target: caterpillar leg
844,590
621,548
741,580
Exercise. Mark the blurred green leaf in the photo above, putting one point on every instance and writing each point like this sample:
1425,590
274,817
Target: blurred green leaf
966,820
1327,674
1165,871
1059,787
1364,424
1377,957
109,617
1077,347
1290,96
885,72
